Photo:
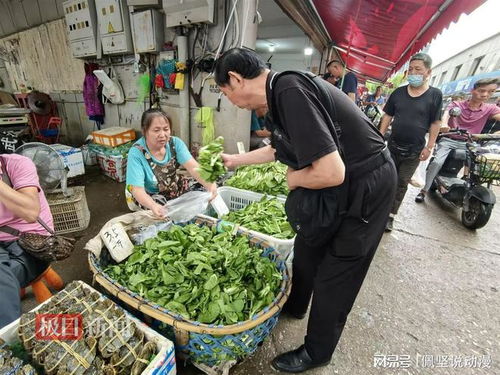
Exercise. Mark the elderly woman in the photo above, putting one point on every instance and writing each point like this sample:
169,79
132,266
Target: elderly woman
153,163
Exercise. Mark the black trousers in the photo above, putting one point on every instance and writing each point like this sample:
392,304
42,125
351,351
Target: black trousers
406,167
17,270
333,273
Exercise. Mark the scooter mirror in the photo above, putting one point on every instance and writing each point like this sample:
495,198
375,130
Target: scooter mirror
455,112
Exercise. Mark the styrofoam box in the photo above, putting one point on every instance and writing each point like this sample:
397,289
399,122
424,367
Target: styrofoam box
73,159
162,364
114,166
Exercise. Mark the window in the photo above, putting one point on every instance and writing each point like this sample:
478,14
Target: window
441,79
475,65
432,80
455,72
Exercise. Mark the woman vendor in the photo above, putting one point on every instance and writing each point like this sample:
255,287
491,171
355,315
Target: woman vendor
153,163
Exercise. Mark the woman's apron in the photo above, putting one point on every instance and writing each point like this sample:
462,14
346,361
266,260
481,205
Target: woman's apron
170,183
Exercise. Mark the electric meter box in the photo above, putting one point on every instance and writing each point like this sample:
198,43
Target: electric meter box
81,26
114,26
186,12
140,3
147,27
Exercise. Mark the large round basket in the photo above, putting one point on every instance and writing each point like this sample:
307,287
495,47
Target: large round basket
206,344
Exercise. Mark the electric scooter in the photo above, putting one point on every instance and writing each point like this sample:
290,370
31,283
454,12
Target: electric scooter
472,192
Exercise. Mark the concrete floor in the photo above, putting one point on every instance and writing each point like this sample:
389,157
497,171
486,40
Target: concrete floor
432,291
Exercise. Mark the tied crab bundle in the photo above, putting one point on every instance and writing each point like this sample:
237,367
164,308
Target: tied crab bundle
110,342
12,365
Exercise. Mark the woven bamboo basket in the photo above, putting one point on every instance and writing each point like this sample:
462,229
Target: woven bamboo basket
207,344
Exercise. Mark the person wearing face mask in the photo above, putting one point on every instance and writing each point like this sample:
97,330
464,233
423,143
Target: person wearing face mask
153,166
414,111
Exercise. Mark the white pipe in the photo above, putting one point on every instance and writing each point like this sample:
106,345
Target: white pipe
184,131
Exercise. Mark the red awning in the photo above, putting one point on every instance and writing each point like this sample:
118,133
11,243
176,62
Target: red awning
376,37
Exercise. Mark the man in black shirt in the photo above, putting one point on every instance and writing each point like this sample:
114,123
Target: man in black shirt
346,81
415,110
338,167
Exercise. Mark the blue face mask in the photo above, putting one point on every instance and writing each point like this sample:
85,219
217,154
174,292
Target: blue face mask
416,80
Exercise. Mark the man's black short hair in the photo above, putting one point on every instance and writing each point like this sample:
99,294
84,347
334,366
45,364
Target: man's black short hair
239,60
337,62
425,58
486,82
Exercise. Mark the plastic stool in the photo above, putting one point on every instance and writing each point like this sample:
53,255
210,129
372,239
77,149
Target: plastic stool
40,290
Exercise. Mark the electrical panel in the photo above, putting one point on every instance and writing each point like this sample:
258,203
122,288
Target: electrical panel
185,12
138,3
114,26
147,27
81,26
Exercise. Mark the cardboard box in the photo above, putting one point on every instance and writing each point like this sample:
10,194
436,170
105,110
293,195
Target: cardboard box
162,364
73,159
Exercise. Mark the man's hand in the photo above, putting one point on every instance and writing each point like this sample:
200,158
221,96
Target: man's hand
444,129
424,154
289,178
229,161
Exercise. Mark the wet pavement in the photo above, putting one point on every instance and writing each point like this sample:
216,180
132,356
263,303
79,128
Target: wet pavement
430,303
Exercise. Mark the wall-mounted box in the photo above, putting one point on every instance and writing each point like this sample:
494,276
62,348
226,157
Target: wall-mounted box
81,26
148,31
139,3
114,26
83,48
185,12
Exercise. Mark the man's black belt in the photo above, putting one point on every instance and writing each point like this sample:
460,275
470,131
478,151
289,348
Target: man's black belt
371,164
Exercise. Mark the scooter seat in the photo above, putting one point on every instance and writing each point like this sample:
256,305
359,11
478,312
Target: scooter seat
450,181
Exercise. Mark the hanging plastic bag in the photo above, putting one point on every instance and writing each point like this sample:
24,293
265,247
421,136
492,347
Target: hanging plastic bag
187,206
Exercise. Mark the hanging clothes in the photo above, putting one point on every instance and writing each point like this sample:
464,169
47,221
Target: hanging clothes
92,95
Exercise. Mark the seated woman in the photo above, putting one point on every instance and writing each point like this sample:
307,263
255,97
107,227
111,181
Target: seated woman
258,131
153,163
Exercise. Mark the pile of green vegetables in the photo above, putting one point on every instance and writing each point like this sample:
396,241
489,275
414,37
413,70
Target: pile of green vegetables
200,274
211,164
265,216
269,178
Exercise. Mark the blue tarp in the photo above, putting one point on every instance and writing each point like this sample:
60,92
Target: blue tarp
465,84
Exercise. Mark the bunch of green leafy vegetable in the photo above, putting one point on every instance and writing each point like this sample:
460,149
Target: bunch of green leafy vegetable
200,274
269,178
265,216
211,164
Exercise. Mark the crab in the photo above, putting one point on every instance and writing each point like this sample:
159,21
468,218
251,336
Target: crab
11,366
127,354
26,330
112,339
142,362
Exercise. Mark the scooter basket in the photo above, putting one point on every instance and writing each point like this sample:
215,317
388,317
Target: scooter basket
488,169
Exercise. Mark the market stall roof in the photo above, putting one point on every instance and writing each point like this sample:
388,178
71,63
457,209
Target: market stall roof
375,38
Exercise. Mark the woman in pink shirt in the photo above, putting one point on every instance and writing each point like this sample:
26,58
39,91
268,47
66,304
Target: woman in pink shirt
21,202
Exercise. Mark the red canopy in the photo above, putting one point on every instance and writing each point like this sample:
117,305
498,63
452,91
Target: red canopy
376,37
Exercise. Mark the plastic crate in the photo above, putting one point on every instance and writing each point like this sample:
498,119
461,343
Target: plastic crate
114,136
114,166
70,214
237,199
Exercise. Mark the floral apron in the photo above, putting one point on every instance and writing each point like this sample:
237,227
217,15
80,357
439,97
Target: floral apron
170,183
